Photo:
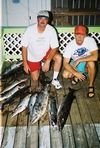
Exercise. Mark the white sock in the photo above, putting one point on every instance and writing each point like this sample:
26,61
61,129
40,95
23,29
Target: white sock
55,75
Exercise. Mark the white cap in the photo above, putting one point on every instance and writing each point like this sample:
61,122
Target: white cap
43,13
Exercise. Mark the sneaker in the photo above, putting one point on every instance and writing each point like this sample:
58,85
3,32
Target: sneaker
56,83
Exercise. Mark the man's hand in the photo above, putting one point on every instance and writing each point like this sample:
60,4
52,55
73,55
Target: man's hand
26,68
46,66
80,76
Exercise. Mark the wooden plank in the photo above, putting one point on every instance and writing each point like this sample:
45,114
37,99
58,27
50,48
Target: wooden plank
44,137
1,134
79,135
94,110
10,128
92,106
91,136
56,137
32,137
32,129
89,118
78,128
82,105
9,136
20,137
97,126
58,14
4,116
68,139
12,121
74,113
64,22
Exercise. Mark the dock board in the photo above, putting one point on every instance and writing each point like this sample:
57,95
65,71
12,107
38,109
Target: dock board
82,128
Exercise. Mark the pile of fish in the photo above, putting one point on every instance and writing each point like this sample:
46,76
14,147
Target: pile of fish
36,104
13,91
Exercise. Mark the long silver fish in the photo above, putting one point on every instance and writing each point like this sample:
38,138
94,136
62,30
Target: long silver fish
15,83
23,104
40,105
52,111
64,108
14,96
12,66
11,92
11,69
32,102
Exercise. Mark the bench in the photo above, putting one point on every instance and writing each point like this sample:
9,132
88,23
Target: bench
11,40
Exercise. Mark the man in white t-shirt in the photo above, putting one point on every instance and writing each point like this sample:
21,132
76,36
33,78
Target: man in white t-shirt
79,59
40,43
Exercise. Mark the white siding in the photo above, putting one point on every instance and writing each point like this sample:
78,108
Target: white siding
23,13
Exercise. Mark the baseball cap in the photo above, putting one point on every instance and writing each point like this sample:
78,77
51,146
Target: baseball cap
43,13
80,30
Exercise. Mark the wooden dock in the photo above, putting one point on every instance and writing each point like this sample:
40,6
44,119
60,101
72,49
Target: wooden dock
82,128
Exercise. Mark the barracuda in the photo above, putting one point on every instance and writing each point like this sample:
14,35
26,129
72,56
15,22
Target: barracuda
32,102
52,111
23,104
40,105
11,69
17,82
11,92
14,96
64,108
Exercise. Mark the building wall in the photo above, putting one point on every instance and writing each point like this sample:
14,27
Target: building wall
76,6
22,13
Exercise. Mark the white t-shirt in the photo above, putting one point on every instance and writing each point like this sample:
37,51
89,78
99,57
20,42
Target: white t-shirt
75,51
38,44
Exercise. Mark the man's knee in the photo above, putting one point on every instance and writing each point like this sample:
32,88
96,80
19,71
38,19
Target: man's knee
35,77
57,57
65,74
91,65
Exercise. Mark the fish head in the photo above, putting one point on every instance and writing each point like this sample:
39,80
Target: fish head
53,119
20,86
19,63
